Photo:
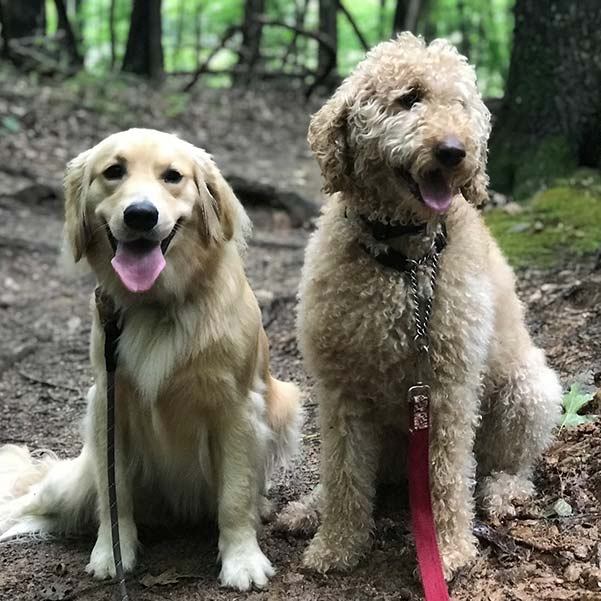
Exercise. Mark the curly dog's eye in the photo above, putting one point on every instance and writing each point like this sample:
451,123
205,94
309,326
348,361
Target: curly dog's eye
172,176
408,100
114,172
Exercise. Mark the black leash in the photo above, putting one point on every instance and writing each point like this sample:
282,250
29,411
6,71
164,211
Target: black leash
109,318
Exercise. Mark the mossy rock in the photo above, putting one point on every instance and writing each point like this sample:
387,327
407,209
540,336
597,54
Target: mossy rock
557,225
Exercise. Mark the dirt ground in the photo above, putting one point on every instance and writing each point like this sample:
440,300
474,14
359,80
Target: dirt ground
44,328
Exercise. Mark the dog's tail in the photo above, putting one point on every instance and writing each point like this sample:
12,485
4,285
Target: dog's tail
40,494
284,414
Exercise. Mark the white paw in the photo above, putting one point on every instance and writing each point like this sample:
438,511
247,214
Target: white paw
244,565
102,564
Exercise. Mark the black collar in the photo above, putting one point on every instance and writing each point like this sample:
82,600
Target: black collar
385,231
394,259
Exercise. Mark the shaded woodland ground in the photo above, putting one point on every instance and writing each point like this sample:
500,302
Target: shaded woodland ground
44,366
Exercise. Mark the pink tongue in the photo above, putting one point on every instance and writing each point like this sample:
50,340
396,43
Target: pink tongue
436,192
137,267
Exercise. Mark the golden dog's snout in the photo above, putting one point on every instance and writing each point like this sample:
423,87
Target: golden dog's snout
141,216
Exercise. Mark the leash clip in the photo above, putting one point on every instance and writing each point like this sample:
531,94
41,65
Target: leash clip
419,407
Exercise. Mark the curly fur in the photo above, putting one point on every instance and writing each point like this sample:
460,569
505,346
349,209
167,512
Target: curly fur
355,323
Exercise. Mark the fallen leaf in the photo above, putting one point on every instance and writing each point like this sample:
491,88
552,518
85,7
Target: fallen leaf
165,578
55,592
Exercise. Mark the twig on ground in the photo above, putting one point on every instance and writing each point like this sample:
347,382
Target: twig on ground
43,382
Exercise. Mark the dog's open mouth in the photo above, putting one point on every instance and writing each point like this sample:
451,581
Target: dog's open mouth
140,262
433,189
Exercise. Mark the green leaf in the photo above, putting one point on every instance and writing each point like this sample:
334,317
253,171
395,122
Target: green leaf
11,124
573,402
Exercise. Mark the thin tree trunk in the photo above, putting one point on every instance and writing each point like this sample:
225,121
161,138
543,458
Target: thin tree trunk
64,25
144,51
464,28
328,28
300,13
382,20
409,15
400,16
252,30
112,33
550,119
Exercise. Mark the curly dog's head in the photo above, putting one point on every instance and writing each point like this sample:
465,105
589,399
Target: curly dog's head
407,126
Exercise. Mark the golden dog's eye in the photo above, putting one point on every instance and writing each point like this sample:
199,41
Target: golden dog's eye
114,172
410,98
172,176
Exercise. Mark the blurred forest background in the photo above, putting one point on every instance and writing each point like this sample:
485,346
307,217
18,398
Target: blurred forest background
539,63
241,79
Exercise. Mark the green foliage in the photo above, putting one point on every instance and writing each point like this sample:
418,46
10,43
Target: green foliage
573,402
192,28
560,222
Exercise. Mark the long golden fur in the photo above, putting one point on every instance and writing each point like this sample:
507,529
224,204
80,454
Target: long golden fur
494,400
201,423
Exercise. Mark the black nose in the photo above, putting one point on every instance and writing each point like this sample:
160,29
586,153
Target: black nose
141,216
450,152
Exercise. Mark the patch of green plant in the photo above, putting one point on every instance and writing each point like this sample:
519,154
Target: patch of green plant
176,104
573,402
561,222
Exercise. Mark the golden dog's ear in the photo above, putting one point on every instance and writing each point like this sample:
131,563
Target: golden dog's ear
222,216
327,139
76,184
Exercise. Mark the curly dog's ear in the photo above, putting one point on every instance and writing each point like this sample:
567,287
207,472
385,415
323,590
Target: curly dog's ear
76,184
476,190
222,215
327,139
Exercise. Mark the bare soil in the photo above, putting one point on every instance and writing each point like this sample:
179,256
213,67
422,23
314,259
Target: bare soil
44,372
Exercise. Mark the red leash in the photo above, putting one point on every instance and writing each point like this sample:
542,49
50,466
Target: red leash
422,517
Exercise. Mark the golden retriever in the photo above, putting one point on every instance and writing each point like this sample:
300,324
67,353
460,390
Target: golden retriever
200,423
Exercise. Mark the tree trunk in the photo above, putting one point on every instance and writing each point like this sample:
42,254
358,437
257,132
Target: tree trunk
252,29
64,25
112,33
550,119
408,15
144,50
21,19
328,28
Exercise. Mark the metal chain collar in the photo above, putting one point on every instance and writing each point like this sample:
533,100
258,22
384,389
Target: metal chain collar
422,306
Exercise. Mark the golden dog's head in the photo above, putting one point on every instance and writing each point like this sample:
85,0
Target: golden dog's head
151,214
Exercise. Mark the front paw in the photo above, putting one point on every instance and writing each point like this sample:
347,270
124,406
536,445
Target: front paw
244,565
298,519
457,554
102,564
329,552
499,492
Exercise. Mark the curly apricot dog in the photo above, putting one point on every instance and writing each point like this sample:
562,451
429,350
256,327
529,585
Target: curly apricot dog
402,147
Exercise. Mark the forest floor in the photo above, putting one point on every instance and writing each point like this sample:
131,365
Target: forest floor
44,367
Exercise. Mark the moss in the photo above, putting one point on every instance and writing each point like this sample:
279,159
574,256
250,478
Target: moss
558,224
